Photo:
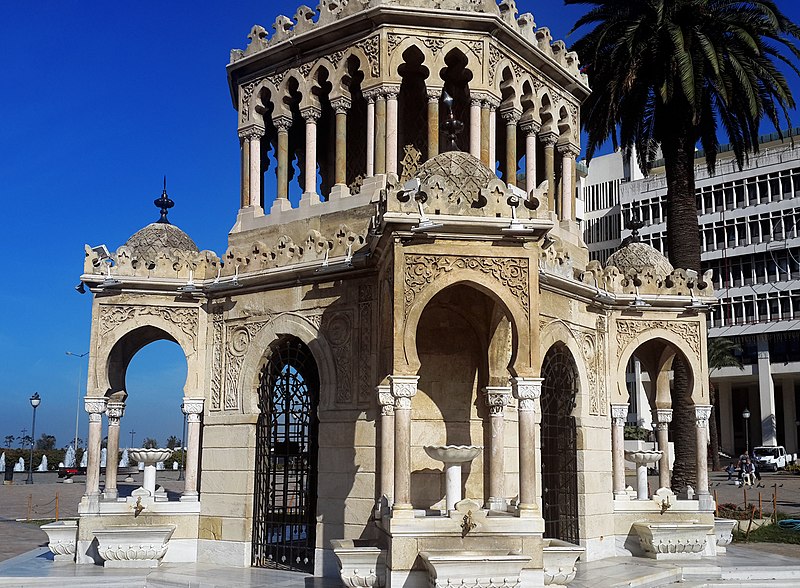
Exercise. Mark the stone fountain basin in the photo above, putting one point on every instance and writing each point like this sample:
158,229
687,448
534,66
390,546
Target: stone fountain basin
723,529
361,564
453,453
643,456
133,547
490,567
559,559
62,537
673,540
149,455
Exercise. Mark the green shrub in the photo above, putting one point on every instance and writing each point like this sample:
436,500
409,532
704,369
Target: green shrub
635,433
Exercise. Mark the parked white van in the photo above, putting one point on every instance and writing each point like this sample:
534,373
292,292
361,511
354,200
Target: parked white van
770,458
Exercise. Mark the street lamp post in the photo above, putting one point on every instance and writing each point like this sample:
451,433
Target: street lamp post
181,474
35,400
132,432
78,401
746,417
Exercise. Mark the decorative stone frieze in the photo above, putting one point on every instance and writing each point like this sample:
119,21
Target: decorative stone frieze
629,329
422,270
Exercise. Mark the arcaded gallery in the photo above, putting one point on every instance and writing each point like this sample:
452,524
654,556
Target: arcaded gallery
404,370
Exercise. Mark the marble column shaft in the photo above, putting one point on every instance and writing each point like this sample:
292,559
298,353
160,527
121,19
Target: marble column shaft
475,127
311,116
114,411
530,128
485,132
95,406
663,417
193,409
619,413
433,122
403,390
391,131
511,117
380,134
386,402
702,413
244,200
568,154
340,107
527,391
497,398
549,142
252,135
283,124
370,134
493,134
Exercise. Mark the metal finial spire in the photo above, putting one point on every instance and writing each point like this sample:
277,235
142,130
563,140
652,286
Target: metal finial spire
450,126
164,203
633,223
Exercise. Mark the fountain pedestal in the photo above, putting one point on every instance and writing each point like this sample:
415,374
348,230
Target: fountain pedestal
453,457
149,457
641,459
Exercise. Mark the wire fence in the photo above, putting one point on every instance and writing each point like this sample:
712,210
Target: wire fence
48,510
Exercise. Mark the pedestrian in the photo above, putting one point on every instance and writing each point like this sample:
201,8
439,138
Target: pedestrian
731,469
747,473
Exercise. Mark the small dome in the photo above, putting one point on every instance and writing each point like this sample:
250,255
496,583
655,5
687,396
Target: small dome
146,244
638,256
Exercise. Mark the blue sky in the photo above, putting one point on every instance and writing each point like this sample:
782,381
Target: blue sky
98,101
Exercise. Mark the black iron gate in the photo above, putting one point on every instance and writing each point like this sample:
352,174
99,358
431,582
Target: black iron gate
559,451
284,505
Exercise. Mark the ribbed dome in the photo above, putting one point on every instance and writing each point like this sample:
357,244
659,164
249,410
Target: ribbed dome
146,244
638,256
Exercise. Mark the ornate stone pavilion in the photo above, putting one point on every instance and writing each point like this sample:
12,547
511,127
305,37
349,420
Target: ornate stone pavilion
423,304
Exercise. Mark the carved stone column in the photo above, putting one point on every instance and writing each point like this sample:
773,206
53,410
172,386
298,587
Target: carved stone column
549,141
527,391
663,417
282,124
475,126
244,186
403,390
115,411
485,132
253,136
369,96
497,398
492,104
340,106
310,115
391,130
95,406
434,95
568,153
702,413
380,134
511,118
619,414
192,408
530,128
386,402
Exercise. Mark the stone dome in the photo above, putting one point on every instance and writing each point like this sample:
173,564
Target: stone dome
146,244
639,256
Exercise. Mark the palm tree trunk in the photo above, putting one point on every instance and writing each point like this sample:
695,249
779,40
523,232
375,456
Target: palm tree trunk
684,252
713,431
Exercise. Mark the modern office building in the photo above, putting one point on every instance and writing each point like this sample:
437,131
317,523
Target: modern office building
750,234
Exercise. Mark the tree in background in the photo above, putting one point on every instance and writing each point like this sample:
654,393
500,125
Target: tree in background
25,441
150,443
721,354
46,442
173,442
9,440
666,75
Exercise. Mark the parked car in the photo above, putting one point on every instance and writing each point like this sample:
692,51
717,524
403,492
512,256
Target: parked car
770,458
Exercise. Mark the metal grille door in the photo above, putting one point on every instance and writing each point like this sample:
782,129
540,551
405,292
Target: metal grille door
559,452
284,509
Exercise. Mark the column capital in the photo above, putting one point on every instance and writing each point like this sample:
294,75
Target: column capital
548,139
251,132
371,95
619,412
702,412
497,398
527,392
434,94
282,122
192,408
385,399
311,113
530,126
568,149
510,115
115,411
403,390
491,102
341,104
390,92
95,406
663,415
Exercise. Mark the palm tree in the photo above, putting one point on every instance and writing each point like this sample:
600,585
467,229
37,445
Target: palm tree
666,75
721,354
